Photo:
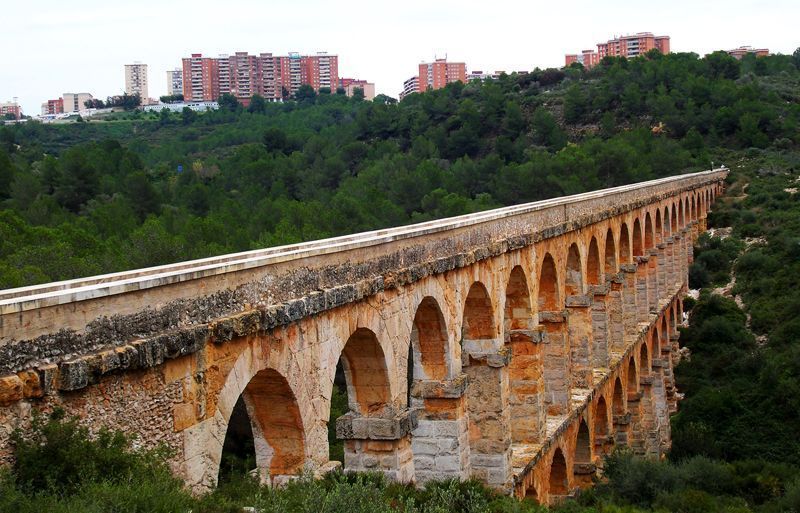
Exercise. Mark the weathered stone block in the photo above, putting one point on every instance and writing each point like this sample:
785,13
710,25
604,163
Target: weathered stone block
222,330
246,323
31,385
48,377
584,469
183,416
552,317
430,389
73,375
11,389
578,301
352,426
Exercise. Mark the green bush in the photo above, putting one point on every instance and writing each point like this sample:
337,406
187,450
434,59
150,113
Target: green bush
59,467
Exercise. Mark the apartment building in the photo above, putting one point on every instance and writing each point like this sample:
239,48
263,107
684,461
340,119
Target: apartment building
11,108
351,84
52,107
271,83
740,52
439,73
410,85
200,78
588,58
175,81
633,45
75,102
136,80
244,75
624,46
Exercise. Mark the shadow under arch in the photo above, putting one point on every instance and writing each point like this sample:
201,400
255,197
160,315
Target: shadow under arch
559,480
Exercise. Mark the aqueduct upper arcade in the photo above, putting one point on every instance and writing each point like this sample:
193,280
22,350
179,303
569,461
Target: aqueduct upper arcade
517,345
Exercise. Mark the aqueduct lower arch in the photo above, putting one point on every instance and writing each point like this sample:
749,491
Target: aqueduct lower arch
515,346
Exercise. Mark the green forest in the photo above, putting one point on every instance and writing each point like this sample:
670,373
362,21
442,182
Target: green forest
139,190
145,189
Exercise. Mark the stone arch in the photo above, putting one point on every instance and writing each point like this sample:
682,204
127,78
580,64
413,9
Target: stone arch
659,227
478,315
663,342
525,367
701,201
429,347
681,214
644,361
366,374
531,493
277,428
559,480
649,239
654,338
697,210
673,316
548,299
619,409
601,424
638,248
667,225
574,275
593,267
517,312
624,244
633,378
618,401
610,255
582,462
674,220
431,366
583,444
280,433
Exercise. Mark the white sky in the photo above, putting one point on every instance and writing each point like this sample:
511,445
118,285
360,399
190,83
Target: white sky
48,47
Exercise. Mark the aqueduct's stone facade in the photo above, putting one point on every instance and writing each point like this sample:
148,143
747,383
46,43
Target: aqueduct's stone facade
517,345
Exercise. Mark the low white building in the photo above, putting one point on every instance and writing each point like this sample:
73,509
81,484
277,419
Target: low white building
178,107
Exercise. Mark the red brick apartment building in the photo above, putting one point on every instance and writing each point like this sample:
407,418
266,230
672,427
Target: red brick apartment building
623,46
51,107
12,108
244,75
588,58
439,73
740,52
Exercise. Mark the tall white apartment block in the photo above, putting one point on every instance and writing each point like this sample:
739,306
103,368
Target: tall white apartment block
175,81
136,80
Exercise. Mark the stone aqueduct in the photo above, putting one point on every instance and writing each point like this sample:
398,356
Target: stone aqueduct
516,346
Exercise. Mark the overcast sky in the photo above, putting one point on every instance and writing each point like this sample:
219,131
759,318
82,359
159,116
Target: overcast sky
50,46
